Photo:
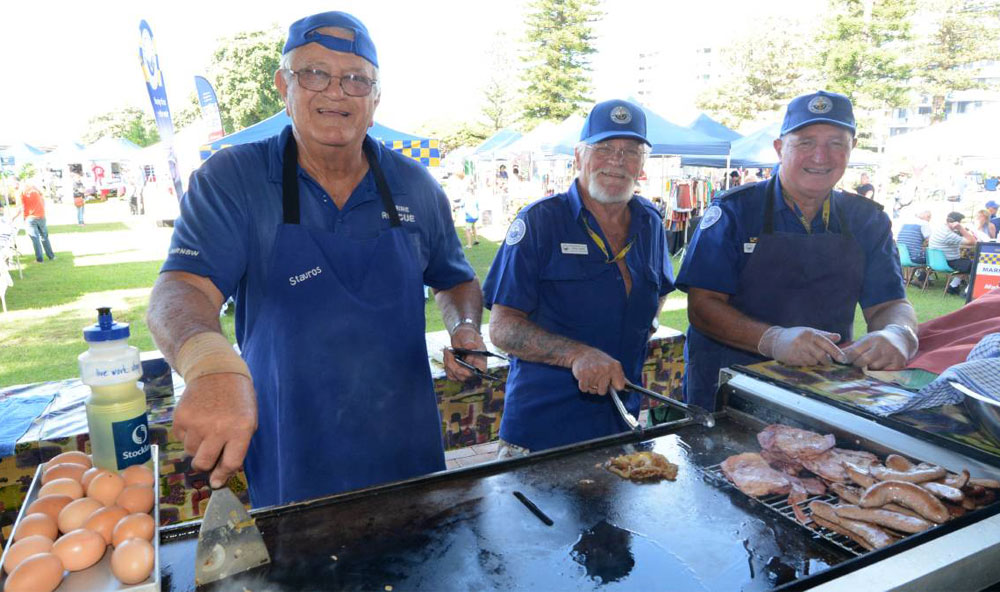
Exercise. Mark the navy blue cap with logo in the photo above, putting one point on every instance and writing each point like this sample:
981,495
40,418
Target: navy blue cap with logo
304,31
819,107
614,119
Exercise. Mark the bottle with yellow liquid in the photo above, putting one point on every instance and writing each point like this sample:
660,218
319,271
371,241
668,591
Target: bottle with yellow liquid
116,407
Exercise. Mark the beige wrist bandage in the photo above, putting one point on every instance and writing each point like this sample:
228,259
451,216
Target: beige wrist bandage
209,353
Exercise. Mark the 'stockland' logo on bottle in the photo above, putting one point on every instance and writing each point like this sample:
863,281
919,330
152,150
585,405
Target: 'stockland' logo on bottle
131,439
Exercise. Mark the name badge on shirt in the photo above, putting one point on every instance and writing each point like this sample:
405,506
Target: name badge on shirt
573,249
749,247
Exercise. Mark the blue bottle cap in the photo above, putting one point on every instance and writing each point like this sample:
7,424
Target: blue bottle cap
106,329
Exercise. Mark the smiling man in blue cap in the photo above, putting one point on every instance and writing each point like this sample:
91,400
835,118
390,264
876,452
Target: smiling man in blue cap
575,289
777,268
326,238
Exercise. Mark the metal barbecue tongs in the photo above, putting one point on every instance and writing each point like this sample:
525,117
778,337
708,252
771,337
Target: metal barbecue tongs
461,351
696,412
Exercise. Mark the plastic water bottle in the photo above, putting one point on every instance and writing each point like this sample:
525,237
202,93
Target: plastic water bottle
116,407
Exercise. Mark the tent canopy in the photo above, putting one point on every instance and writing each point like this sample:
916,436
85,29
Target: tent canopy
710,127
20,154
757,151
968,135
497,141
547,138
108,148
423,149
666,137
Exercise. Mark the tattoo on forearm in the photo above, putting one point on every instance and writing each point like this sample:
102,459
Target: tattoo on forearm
531,343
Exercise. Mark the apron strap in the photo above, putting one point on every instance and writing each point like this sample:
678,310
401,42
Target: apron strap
380,183
290,182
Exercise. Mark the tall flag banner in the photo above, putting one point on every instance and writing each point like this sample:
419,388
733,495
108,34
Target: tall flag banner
158,98
209,108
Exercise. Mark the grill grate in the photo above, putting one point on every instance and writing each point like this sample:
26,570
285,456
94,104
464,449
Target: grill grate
779,503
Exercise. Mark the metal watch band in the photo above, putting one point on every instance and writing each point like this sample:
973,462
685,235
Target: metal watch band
465,321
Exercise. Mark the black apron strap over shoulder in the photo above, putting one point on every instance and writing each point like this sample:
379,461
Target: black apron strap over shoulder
290,183
380,182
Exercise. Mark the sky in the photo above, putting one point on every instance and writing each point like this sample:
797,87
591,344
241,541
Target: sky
71,61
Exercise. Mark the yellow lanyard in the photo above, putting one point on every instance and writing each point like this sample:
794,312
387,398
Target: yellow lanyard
826,216
604,249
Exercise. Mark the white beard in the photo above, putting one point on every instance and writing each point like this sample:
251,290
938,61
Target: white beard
606,197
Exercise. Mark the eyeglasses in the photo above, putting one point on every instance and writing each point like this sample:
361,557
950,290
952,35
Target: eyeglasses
353,85
605,152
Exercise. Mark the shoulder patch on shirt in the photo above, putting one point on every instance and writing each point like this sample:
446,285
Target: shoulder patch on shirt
712,215
516,232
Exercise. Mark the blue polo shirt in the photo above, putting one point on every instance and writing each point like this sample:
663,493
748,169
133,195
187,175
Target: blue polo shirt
233,207
549,268
718,251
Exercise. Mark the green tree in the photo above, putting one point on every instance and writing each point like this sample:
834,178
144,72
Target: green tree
500,106
130,123
452,134
963,32
243,70
560,40
761,72
864,55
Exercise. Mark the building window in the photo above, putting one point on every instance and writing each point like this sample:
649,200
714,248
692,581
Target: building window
924,110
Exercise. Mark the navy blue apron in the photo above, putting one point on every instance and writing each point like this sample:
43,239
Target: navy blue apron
790,280
339,359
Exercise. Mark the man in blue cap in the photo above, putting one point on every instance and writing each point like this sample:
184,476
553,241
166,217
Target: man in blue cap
992,206
326,238
777,268
575,289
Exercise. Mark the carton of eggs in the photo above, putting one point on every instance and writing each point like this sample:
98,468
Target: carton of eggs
73,512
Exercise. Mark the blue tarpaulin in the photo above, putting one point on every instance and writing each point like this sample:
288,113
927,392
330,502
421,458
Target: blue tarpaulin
423,149
755,150
497,141
711,127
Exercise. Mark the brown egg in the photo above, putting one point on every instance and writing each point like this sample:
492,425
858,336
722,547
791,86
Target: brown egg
138,475
73,456
105,488
103,521
89,475
133,526
25,548
132,561
63,486
69,470
76,513
39,573
136,499
50,504
79,549
36,524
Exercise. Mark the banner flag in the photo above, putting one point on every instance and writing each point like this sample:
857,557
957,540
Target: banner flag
209,108
158,98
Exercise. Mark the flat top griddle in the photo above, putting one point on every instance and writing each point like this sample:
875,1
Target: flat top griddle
467,531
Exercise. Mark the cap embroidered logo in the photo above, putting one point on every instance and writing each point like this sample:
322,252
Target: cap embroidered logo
820,105
621,115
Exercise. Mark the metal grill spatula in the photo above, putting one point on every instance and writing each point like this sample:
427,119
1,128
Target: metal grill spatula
229,541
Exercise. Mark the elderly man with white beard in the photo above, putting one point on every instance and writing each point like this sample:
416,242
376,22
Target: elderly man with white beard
575,290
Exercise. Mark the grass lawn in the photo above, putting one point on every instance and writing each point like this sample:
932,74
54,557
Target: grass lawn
42,333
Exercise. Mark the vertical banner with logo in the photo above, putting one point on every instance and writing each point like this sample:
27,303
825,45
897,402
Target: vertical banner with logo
985,270
158,97
209,108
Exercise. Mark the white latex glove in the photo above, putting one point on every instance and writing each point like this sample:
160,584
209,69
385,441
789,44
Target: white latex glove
801,346
887,349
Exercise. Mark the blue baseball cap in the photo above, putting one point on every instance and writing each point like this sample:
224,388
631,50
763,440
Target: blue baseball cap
992,204
614,119
819,107
303,31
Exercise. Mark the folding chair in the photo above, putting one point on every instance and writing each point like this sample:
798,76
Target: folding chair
909,267
936,261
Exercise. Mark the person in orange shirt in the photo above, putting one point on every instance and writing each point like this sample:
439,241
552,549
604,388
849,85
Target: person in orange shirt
32,207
